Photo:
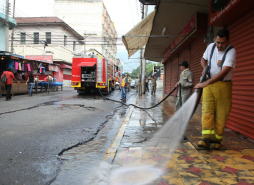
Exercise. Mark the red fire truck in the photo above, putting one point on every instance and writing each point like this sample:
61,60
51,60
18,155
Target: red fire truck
92,73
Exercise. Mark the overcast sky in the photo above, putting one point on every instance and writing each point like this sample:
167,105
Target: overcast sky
124,13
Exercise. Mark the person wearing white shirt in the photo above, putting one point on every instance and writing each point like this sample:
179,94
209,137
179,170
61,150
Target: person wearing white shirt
217,90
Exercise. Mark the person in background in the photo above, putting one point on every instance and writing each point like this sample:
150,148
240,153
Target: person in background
8,84
137,83
50,78
123,87
153,82
186,81
147,81
30,81
120,82
129,83
37,78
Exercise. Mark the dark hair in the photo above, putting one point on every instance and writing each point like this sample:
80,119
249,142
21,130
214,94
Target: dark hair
223,33
31,73
8,68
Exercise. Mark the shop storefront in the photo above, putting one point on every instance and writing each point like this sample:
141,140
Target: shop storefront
21,67
237,16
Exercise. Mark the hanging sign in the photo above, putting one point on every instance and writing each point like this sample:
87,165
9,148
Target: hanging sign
53,68
187,31
43,58
219,8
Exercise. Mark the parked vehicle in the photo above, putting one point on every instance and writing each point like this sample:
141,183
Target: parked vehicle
133,84
92,73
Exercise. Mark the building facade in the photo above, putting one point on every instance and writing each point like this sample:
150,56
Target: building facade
43,36
198,25
91,19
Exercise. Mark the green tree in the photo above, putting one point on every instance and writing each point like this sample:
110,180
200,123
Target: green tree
149,69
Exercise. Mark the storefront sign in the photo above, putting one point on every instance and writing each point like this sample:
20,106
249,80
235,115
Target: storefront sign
53,68
219,8
43,58
187,31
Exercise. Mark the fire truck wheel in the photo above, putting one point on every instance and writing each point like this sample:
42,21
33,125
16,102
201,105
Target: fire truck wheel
110,88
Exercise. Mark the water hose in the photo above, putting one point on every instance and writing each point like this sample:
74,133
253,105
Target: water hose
136,105
202,79
180,94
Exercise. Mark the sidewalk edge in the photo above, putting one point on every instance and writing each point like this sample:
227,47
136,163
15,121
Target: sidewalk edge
111,152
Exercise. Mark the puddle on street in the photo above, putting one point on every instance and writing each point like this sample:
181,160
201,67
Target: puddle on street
81,163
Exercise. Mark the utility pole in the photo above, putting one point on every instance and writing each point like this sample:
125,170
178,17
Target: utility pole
141,80
7,26
12,33
144,61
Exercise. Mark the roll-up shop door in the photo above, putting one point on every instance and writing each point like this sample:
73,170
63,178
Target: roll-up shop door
167,72
174,76
241,118
197,50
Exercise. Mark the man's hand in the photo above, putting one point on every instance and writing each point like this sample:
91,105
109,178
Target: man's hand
177,84
201,85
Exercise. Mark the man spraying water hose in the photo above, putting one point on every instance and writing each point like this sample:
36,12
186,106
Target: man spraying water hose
186,81
217,90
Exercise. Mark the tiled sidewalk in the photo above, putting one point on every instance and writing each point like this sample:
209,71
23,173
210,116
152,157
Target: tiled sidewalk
183,165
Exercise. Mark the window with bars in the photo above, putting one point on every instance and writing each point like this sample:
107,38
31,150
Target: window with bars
48,37
65,40
36,37
74,46
23,38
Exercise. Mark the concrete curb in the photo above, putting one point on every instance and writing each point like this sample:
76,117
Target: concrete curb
111,152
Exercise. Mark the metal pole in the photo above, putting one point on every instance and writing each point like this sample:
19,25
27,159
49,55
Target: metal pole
7,26
12,33
48,80
141,80
144,60
140,75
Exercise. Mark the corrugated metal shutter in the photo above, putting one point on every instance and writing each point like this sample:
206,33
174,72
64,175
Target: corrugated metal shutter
197,50
174,74
241,118
167,72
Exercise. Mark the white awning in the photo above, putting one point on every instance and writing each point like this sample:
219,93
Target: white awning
132,41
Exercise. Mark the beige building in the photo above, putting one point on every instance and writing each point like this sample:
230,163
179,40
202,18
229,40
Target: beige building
46,37
90,19
31,34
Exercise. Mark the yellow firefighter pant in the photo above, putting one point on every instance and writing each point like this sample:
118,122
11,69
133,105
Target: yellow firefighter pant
216,107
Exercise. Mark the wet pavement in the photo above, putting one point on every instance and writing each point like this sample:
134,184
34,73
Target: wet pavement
42,135
186,164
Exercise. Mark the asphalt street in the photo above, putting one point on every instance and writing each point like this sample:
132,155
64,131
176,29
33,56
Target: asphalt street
38,134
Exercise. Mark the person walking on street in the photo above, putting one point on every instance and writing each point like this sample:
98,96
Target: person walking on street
129,82
154,84
124,84
217,91
186,82
8,84
120,82
147,81
137,83
30,81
